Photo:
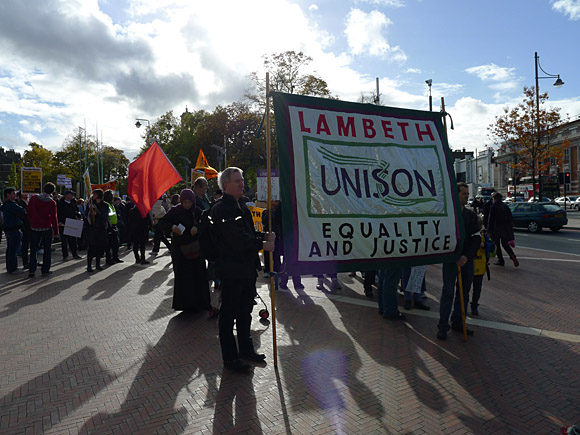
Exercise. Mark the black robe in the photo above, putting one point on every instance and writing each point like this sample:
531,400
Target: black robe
191,287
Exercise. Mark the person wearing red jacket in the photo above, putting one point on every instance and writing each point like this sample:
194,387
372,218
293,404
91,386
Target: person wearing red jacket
43,218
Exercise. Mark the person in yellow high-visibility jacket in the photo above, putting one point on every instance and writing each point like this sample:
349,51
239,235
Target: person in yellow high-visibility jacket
481,267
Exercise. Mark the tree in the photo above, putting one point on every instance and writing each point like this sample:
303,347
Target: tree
516,132
287,74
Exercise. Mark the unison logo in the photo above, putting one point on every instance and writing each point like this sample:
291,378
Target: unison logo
405,179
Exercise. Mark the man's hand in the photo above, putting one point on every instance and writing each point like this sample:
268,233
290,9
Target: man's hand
462,261
270,237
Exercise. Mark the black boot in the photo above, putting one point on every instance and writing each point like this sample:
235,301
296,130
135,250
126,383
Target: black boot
99,264
474,311
89,266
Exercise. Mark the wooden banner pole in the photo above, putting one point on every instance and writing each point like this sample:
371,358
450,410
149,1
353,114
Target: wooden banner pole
459,278
270,254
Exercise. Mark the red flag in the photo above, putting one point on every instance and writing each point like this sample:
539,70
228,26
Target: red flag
150,176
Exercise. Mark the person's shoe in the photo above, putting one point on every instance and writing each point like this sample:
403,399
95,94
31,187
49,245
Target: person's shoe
253,356
407,305
397,316
441,335
30,274
144,262
470,332
516,262
421,306
499,263
335,285
298,286
237,365
47,273
320,285
89,269
118,260
474,311
65,258
154,252
77,257
98,267
25,266
369,292
283,285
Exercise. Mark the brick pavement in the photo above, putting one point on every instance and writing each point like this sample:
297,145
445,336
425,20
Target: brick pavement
107,354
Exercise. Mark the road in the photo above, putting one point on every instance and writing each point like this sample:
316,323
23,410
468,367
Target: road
566,241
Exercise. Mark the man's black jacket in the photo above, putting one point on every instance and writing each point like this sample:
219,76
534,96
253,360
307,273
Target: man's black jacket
472,235
67,210
239,242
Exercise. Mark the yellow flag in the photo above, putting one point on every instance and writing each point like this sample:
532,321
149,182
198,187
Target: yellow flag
87,180
201,161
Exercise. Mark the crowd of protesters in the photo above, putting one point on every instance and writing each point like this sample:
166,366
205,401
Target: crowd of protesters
109,223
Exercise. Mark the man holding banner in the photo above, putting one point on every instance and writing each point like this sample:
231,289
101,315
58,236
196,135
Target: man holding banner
236,265
450,296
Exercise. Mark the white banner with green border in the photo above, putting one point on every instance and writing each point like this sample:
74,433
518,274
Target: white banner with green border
366,186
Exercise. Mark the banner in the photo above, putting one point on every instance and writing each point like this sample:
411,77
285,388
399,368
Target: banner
366,186
262,181
110,185
31,180
257,217
62,180
87,182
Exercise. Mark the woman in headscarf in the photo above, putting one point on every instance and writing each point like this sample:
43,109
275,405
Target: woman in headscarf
97,219
191,288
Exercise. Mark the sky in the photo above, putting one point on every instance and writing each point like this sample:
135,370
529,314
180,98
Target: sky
104,63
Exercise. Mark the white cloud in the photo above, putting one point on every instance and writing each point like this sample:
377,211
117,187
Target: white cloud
313,7
492,72
568,7
78,65
500,79
413,71
365,35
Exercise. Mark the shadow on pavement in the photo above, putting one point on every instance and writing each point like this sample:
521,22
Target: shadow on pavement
496,382
324,355
76,380
243,417
153,402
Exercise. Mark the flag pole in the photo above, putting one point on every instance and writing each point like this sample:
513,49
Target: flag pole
459,277
270,254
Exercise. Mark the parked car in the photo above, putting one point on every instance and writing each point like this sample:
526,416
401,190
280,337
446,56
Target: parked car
576,204
536,199
568,199
511,199
535,215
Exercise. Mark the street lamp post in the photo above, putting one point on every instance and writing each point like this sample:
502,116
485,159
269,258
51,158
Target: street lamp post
558,83
429,83
138,125
222,153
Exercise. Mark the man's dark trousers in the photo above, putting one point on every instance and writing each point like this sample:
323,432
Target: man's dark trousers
450,295
68,242
13,239
44,240
237,304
